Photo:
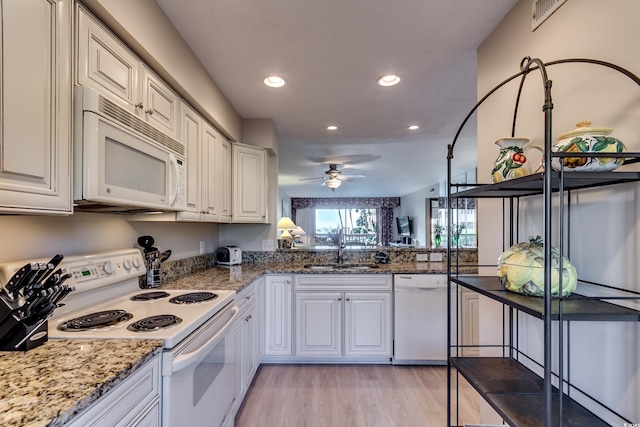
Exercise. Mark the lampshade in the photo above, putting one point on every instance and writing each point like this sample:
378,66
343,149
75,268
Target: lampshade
285,223
333,183
285,234
298,231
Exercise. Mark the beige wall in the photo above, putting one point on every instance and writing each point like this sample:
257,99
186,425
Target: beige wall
605,239
143,25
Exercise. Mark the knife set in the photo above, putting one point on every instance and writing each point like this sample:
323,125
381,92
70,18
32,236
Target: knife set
153,259
27,300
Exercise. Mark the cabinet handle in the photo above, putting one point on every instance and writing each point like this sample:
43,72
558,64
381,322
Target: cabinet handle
140,105
149,111
247,297
339,298
288,282
347,298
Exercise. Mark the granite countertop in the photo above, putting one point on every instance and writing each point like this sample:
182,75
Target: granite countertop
237,277
49,385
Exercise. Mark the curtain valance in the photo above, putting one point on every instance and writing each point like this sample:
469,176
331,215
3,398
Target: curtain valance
344,202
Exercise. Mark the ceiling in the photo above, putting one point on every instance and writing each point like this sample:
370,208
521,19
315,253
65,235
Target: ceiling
331,53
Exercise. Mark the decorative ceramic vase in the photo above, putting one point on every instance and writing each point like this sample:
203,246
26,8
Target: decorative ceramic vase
585,139
437,240
512,161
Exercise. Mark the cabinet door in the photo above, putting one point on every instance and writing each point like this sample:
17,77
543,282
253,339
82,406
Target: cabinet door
367,324
259,317
35,116
106,64
248,335
209,184
238,365
191,138
319,324
160,104
223,179
249,184
277,316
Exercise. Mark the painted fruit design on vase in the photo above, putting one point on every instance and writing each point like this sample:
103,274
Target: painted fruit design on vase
512,161
587,139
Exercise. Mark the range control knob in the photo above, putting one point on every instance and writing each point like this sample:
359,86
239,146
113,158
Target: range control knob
108,267
136,262
127,264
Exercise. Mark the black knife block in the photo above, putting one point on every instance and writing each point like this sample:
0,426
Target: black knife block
19,334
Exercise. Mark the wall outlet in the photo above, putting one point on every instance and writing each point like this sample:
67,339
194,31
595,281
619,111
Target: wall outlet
202,248
435,257
422,257
267,245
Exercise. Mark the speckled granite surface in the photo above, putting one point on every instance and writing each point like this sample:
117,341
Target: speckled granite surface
49,385
237,277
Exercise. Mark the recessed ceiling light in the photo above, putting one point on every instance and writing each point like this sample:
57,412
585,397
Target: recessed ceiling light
275,81
414,127
389,80
332,127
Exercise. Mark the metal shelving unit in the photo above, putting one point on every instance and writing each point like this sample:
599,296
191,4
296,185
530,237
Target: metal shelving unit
516,392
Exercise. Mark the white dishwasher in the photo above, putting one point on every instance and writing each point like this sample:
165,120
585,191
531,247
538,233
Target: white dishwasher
420,314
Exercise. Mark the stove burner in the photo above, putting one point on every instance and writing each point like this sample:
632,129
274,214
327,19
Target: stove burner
150,296
193,297
98,320
154,323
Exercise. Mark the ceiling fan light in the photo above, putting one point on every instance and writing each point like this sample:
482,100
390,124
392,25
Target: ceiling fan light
414,127
275,81
388,80
333,183
332,127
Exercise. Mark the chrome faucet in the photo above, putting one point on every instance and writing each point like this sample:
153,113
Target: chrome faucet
340,246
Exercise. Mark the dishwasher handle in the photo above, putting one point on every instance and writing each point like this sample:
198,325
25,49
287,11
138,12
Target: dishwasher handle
405,288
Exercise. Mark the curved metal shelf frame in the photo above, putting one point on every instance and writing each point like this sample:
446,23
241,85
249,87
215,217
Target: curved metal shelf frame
528,65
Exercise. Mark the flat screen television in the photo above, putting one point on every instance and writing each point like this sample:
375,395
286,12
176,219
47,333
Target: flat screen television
404,225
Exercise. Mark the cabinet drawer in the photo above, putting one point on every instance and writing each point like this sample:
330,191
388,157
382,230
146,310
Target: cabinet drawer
246,297
343,282
126,401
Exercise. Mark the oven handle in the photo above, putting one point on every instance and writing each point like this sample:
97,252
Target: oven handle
196,356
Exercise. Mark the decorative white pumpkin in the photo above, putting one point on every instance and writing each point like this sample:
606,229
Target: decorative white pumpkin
521,270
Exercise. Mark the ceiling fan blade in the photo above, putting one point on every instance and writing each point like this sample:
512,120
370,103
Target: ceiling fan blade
309,179
349,177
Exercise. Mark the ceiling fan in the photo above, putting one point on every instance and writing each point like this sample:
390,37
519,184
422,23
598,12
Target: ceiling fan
333,177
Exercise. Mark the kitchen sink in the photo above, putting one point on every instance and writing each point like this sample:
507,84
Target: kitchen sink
341,265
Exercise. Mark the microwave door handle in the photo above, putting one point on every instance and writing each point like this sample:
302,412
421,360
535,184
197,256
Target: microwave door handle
197,355
174,169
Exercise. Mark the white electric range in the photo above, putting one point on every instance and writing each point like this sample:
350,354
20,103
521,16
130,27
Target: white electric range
198,359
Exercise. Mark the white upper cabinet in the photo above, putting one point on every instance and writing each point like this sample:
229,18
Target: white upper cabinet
223,179
249,184
35,116
107,65
208,187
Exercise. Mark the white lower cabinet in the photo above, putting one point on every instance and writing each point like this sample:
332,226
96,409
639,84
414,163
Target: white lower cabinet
134,402
247,335
367,324
319,324
345,317
278,316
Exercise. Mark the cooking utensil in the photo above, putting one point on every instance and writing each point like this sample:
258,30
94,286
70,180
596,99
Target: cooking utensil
165,255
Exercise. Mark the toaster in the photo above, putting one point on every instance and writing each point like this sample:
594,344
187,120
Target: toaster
229,255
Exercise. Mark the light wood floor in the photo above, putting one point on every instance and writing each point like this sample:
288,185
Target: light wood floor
352,396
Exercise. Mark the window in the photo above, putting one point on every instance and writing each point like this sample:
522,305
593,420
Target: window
359,227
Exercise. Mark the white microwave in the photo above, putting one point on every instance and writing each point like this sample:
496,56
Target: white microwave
121,163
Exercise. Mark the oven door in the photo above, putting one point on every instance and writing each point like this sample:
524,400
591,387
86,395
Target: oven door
198,375
120,167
